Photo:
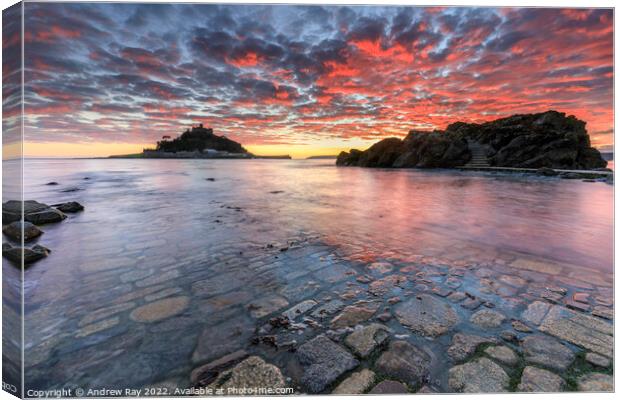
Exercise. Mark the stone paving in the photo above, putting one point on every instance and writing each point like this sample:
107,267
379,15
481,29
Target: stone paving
348,334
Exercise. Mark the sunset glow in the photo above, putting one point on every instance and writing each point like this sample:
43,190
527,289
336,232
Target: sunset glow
112,78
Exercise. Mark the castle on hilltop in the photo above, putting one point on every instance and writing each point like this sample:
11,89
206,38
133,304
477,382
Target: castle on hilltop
197,142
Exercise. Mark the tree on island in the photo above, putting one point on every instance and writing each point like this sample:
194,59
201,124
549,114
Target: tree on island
199,139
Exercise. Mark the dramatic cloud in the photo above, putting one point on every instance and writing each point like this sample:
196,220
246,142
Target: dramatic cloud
300,75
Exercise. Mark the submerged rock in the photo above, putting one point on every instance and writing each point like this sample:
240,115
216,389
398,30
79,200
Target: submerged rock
69,207
545,140
14,231
364,340
224,338
479,376
299,309
328,309
426,315
323,361
487,318
160,309
267,305
464,345
404,362
353,315
546,351
535,312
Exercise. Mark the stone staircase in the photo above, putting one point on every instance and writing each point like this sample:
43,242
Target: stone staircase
478,157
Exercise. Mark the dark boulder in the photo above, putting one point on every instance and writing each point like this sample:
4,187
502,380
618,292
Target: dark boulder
14,231
69,207
544,140
31,255
34,212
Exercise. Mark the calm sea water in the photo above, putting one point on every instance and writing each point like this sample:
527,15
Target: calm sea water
564,220
209,234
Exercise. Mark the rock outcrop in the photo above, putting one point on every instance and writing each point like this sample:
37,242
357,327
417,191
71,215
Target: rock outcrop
69,207
544,140
34,212
30,255
15,230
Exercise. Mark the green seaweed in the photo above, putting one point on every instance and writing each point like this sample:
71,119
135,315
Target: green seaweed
581,367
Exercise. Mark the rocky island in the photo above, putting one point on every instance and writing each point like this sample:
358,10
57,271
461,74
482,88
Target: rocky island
544,140
198,142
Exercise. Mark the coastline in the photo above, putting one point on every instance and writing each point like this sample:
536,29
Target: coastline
201,156
586,175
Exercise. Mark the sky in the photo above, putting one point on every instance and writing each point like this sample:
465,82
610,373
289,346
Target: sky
106,79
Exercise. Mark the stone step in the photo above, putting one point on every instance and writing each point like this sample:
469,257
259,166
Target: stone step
478,156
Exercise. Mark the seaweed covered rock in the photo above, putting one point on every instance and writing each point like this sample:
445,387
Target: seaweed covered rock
544,140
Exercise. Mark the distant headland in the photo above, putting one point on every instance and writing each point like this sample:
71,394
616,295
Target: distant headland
527,141
198,142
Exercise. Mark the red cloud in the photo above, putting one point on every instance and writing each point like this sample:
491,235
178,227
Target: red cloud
367,81
249,59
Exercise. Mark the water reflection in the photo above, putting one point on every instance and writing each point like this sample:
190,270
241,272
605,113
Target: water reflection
563,220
